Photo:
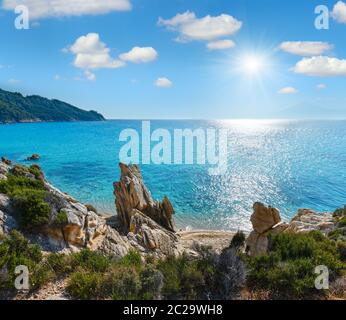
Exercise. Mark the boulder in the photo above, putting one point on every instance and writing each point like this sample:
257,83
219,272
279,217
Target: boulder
264,218
131,193
151,236
256,244
304,221
33,157
114,244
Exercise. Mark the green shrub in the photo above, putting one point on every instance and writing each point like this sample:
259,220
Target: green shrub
288,269
59,263
341,245
123,283
238,240
132,259
33,209
337,234
90,261
186,278
36,171
15,184
85,285
28,198
152,282
15,250
342,222
19,170
338,212
61,219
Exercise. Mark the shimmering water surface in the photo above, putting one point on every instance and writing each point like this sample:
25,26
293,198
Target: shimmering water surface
288,164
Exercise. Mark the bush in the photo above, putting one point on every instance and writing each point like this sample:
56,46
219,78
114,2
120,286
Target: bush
85,285
186,278
342,222
123,283
14,185
90,261
28,198
132,259
231,274
152,282
36,171
15,250
238,240
34,211
341,245
288,269
338,212
61,219
59,263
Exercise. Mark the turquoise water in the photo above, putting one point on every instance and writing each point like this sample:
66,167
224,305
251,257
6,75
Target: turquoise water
288,164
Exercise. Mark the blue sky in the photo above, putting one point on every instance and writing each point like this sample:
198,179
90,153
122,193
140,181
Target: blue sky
273,64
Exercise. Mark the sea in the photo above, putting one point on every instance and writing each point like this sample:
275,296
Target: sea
288,164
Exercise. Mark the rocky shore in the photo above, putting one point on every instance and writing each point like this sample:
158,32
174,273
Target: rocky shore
142,223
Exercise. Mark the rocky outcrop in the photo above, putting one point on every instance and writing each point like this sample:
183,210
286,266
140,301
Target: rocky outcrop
263,222
264,218
131,193
82,227
143,224
148,224
33,157
307,220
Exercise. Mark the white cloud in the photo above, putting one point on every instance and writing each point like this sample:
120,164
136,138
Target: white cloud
207,28
339,12
91,53
220,45
89,75
40,9
140,55
163,83
288,90
305,48
321,86
321,66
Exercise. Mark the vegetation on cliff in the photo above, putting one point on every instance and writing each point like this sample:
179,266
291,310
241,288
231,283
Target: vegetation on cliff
285,268
14,107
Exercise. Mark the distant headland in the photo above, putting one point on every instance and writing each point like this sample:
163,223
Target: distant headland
14,107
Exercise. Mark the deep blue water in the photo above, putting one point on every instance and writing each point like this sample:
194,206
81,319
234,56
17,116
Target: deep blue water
288,164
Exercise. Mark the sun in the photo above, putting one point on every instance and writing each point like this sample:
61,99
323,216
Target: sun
252,64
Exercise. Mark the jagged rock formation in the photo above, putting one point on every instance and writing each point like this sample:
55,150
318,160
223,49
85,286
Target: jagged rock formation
267,221
143,224
149,224
131,193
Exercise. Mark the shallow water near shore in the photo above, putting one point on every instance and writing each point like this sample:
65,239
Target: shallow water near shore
285,163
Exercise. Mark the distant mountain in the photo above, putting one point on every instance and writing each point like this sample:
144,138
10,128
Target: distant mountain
14,107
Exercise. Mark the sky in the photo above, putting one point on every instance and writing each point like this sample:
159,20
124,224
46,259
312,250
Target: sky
179,59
